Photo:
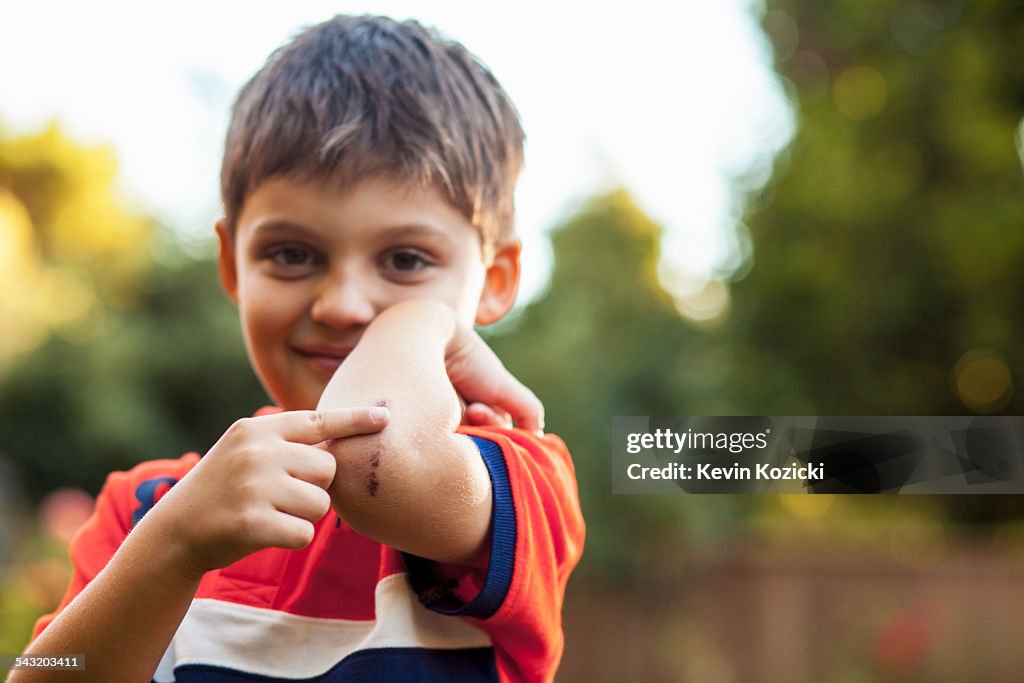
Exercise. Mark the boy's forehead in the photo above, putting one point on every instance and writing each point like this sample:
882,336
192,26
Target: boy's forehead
378,204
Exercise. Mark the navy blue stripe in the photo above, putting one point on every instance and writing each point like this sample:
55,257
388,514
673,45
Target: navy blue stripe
503,550
145,494
379,664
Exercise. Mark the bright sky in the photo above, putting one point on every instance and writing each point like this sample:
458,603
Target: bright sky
672,100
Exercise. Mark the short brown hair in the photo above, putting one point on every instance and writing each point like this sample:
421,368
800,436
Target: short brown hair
360,96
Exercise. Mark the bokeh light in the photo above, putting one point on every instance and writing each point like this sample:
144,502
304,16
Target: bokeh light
983,380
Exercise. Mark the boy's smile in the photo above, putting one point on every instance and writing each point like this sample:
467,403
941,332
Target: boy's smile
311,266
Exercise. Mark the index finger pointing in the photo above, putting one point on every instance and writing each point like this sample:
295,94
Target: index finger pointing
314,426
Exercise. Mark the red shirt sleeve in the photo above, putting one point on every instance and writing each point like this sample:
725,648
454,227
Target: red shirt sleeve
125,497
536,540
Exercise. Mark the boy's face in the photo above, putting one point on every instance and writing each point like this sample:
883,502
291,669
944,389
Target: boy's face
310,267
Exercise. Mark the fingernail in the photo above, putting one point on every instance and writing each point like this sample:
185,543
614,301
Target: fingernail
378,415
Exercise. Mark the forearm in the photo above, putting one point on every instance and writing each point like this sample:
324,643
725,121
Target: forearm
125,618
416,485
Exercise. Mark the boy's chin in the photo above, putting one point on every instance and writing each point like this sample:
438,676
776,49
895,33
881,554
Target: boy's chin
305,397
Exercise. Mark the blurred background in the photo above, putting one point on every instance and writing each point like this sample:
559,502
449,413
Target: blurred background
791,207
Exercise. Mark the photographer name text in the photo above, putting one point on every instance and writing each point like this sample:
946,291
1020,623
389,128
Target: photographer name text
765,472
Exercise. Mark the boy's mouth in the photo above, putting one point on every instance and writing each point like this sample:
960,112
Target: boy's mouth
325,360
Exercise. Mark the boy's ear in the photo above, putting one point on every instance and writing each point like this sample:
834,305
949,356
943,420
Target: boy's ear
226,259
501,283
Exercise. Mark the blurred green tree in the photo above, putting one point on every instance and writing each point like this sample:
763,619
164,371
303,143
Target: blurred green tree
162,376
888,245
119,346
65,237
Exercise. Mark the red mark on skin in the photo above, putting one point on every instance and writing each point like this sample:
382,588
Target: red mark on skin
383,403
372,483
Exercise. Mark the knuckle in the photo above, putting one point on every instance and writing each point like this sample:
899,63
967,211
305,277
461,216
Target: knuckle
248,525
243,459
322,502
242,428
301,536
325,476
318,421
247,489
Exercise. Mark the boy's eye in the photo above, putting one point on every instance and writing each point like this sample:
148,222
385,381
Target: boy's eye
291,256
406,261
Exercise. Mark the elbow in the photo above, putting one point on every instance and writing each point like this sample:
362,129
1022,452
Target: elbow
362,463
425,493
376,479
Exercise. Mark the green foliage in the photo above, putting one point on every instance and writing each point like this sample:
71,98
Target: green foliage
66,240
890,244
134,357
158,378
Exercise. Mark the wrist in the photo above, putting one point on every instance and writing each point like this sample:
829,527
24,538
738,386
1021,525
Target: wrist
170,549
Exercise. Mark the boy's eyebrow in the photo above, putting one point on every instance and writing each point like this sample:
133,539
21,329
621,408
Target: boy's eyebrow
406,230
414,230
275,224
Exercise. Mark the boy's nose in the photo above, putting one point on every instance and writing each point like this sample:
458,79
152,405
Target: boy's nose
342,304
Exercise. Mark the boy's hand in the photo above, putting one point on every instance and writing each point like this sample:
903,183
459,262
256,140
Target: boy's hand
490,390
263,484
483,415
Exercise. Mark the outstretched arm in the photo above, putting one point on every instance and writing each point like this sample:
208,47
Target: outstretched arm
417,485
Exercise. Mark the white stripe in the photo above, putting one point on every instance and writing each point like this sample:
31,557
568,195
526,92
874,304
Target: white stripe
272,643
165,669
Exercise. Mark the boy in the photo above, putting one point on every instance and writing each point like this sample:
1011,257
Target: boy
367,183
